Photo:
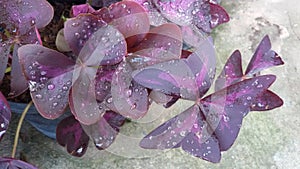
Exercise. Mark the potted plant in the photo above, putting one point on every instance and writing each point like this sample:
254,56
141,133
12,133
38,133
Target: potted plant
117,62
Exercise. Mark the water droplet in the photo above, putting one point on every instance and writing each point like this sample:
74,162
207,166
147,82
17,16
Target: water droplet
109,100
182,133
38,96
58,96
75,24
65,88
51,86
259,86
226,118
43,73
123,5
54,104
2,125
249,98
128,92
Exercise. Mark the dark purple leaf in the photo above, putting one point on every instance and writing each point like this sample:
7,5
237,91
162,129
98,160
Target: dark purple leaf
4,52
267,100
81,9
201,142
5,115
115,120
159,97
232,71
202,62
167,78
129,98
103,82
263,58
102,133
11,163
218,15
172,132
131,13
70,134
49,79
162,43
225,109
79,29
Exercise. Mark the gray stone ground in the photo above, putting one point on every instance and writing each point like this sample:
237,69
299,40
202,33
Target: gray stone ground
267,139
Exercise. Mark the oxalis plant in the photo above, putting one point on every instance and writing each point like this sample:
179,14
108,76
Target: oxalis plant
123,58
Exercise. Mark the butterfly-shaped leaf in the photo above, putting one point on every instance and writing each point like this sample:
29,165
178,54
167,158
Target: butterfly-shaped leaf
70,134
11,163
225,109
96,51
263,58
105,130
49,79
5,115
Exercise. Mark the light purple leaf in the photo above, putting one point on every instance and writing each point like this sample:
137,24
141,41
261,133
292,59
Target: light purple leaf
49,79
102,133
225,109
267,100
129,98
70,134
172,132
201,142
103,82
5,115
218,15
263,58
232,71
162,43
79,29
11,163
81,9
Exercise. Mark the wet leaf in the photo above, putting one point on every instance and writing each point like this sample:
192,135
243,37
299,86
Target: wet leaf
81,9
172,132
11,163
4,52
232,71
70,134
5,115
105,130
225,109
263,58
128,97
162,43
79,29
49,79
218,15
267,100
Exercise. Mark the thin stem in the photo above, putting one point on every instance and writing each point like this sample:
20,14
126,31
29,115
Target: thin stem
19,128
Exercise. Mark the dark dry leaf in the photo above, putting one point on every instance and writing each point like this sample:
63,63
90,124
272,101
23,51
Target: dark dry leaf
70,134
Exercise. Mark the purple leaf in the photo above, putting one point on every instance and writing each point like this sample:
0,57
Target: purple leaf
11,163
232,71
202,62
218,15
129,98
70,134
4,52
49,79
103,133
5,115
267,100
201,142
167,78
162,43
115,120
103,82
172,132
131,13
79,29
263,58
225,109
81,9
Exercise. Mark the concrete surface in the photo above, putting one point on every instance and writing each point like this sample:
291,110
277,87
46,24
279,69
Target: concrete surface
267,139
